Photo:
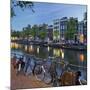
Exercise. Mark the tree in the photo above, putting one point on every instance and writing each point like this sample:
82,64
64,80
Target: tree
22,4
71,28
15,34
34,31
56,34
43,31
26,31
42,35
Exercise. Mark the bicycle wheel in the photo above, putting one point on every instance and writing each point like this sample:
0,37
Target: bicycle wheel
39,73
47,78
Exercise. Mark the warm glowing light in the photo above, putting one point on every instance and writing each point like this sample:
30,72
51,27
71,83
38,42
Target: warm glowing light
48,48
25,47
12,38
30,48
62,55
81,57
15,45
56,52
37,49
61,50
12,45
81,38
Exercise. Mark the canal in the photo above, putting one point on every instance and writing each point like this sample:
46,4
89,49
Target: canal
74,57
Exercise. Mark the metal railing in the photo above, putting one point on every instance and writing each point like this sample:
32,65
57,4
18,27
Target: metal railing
53,59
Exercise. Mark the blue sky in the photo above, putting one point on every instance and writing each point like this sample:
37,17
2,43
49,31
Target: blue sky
46,13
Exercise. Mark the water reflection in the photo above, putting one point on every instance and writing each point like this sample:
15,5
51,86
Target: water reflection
26,47
38,49
31,49
62,54
15,45
48,48
81,56
43,52
56,52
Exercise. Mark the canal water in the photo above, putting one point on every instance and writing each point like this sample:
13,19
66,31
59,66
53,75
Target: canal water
74,57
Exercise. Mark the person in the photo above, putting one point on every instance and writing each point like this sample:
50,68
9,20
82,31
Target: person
19,65
34,66
27,64
78,75
23,63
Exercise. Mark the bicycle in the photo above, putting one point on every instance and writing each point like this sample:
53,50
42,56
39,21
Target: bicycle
46,73
41,71
70,77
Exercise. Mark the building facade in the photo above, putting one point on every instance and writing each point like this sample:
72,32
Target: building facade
50,32
80,31
63,27
70,29
56,30
85,27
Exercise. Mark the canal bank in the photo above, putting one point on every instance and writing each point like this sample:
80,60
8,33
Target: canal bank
54,45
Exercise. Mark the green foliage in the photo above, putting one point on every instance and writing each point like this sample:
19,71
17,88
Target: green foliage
16,34
35,31
26,31
42,31
22,4
56,33
42,34
12,13
71,29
